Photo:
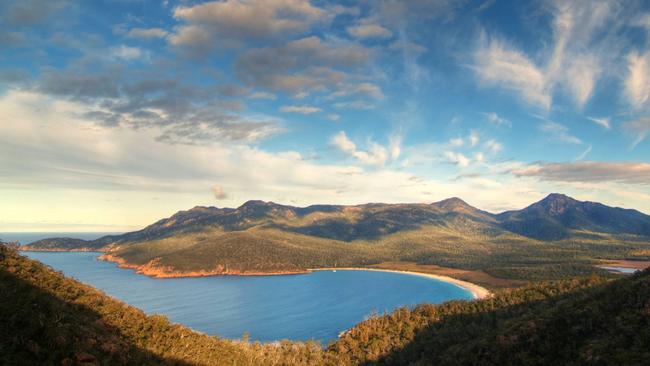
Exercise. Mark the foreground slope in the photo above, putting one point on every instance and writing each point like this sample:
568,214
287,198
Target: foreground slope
571,322
46,318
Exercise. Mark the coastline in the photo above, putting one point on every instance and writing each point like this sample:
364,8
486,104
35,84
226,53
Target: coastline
478,292
154,270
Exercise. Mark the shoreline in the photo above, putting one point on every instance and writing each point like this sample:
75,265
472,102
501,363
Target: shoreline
478,292
151,269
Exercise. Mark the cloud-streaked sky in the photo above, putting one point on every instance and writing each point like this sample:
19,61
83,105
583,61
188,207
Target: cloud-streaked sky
116,113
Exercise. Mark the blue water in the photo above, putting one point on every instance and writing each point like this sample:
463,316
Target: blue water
26,238
619,269
316,306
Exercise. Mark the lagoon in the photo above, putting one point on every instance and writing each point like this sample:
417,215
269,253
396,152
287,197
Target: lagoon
317,305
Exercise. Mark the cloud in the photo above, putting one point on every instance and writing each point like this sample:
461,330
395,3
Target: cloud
495,119
473,138
127,53
305,64
639,128
30,12
493,146
588,171
333,117
186,113
376,154
637,83
395,146
147,33
367,29
362,89
584,43
584,154
218,192
354,104
218,23
263,95
559,132
302,109
456,142
457,158
604,122
498,64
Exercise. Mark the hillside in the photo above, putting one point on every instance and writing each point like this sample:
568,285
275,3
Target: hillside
571,322
49,319
550,239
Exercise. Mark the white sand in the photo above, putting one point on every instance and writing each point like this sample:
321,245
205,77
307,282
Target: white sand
477,291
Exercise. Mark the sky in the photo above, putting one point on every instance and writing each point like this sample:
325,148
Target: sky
116,113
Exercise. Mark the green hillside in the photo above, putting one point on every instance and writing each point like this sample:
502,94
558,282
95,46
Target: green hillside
572,322
48,319
551,239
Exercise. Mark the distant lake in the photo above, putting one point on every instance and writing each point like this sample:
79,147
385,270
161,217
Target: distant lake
317,305
619,269
26,238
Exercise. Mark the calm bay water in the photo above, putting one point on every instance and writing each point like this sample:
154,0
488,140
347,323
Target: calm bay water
317,306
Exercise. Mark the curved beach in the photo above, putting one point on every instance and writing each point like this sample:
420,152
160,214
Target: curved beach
478,292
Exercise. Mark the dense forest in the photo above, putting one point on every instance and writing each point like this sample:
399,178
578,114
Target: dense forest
46,318
264,237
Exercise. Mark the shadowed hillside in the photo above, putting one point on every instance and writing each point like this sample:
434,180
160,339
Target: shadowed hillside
572,322
47,319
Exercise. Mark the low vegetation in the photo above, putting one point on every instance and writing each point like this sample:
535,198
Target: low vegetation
46,318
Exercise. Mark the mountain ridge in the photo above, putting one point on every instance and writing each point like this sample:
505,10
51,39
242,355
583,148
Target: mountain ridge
543,215
549,239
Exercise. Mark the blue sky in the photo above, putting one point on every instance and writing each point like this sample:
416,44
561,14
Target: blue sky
116,113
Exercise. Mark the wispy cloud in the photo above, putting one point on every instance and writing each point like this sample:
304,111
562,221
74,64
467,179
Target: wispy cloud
559,132
302,109
457,158
639,129
498,64
497,120
604,122
375,155
368,29
637,83
588,171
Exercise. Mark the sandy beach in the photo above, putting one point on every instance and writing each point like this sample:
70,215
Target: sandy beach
477,291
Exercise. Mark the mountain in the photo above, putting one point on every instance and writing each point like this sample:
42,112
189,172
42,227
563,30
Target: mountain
48,319
555,237
557,215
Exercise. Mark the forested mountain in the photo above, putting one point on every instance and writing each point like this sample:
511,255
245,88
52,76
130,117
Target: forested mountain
48,319
555,237
557,215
